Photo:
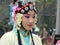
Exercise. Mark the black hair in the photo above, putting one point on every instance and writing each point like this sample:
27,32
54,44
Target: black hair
20,4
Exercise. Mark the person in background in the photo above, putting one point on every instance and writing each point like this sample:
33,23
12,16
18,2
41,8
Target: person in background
24,21
43,33
46,35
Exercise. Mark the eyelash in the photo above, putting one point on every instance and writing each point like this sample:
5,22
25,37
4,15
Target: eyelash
33,16
29,17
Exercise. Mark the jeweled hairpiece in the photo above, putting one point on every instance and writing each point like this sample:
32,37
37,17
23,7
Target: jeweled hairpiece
24,8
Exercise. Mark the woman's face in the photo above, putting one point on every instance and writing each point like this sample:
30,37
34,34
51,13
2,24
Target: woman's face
28,20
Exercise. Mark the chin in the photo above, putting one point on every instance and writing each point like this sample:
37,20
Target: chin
29,29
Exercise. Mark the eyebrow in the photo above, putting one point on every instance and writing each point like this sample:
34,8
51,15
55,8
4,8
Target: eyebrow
28,14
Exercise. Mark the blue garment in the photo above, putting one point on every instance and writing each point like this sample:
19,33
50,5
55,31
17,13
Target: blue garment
25,38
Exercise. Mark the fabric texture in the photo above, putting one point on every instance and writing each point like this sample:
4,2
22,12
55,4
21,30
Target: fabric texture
10,38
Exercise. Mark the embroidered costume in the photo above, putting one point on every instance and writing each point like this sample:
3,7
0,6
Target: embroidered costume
10,38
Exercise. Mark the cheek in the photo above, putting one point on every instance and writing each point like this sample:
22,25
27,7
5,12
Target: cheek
24,22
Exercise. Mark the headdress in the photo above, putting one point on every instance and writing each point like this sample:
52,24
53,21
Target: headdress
23,8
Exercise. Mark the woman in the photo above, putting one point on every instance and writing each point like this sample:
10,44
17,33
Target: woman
24,19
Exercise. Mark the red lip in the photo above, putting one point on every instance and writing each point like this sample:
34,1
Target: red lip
30,25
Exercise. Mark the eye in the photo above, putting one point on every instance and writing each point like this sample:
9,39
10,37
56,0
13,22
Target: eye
27,16
33,16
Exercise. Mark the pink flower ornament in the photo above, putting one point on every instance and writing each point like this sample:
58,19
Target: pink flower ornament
58,42
14,14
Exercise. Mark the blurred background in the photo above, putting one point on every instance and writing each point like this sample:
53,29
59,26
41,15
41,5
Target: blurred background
46,11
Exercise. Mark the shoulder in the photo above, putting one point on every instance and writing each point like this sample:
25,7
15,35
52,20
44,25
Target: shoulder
36,36
8,38
37,39
7,35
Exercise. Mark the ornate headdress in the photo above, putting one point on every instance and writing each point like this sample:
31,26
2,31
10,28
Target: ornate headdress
23,8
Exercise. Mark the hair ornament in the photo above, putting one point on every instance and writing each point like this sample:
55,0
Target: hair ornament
18,20
25,8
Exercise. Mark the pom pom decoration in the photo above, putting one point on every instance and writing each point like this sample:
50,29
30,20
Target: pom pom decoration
14,14
18,20
26,1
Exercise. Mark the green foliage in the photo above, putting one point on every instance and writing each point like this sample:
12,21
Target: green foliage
4,17
0,7
46,7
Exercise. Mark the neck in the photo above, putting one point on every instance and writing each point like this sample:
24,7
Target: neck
25,32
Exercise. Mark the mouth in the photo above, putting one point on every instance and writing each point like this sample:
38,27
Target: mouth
30,25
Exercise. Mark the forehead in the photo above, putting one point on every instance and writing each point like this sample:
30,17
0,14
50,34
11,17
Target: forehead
31,12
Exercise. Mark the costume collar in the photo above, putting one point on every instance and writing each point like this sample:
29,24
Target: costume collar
24,32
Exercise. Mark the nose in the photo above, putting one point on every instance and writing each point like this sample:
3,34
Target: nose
31,19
